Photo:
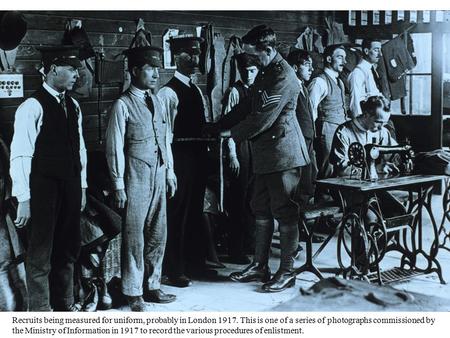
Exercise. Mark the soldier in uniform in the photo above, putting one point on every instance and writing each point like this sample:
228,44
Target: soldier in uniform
327,95
138,152
278,153
186,242
48,170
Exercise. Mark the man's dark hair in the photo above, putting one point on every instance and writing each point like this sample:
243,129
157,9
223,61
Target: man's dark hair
329,51
367,43
371,105
261,36
298,57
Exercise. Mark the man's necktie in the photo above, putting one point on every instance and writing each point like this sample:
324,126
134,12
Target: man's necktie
149,102
62,102
377,78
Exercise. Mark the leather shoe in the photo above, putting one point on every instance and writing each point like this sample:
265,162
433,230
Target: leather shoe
177,281
280,281
253,272
136,303
158,296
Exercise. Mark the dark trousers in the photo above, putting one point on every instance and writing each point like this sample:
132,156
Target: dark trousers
307,186
242,221
186,242
54,241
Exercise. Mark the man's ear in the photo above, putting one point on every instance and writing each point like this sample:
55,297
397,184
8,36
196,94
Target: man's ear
269,50
366,51
295,67
329,59
134,71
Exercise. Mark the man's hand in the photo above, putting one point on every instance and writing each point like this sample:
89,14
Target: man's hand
171,186
83,199
120,198
23,214
234,165
390,169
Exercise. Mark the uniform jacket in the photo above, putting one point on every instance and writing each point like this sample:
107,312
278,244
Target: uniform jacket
276,140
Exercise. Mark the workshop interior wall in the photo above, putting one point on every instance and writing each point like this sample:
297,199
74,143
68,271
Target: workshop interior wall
114,31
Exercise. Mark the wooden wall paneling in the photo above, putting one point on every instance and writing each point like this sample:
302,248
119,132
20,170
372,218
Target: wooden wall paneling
112,32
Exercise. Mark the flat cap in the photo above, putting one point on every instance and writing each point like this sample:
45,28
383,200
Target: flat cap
185,43
145,55
65,55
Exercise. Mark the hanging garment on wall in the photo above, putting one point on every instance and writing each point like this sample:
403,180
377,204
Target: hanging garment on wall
335,32
398,61
217,90
230,73
310,40
207,49
75,34
141,38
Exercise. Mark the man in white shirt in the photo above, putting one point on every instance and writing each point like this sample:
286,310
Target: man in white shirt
364,81
48,170
139,156
186,242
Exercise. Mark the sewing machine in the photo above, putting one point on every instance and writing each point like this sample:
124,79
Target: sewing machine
365,158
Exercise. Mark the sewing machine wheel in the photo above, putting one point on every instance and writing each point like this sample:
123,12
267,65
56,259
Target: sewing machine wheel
352,235
356,154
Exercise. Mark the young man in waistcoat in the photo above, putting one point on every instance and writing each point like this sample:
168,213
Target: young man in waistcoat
278,154
186,243
48,169
327,95
138,152
239,160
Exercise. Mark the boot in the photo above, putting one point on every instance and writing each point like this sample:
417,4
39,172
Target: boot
280,281
136,303
285,276
253,272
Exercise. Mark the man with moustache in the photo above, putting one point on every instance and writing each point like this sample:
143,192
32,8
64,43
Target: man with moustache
48,171
186,243
364,81
278,155
137,152
327,96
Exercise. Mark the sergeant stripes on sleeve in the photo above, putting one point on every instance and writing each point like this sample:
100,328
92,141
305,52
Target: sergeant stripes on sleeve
267,100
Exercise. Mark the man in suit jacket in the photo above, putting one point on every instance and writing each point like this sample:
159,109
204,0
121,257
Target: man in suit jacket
301,62
278,153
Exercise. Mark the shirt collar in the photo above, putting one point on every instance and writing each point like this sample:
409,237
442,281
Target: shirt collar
183,78
138,92
331,72
364,64
52,91
277,58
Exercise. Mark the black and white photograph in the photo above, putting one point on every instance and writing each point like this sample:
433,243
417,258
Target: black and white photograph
224,160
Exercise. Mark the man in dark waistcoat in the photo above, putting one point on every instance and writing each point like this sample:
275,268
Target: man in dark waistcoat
137,152
186,244
278,154
48,169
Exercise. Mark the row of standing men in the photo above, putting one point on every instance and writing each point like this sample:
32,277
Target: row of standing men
153,157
